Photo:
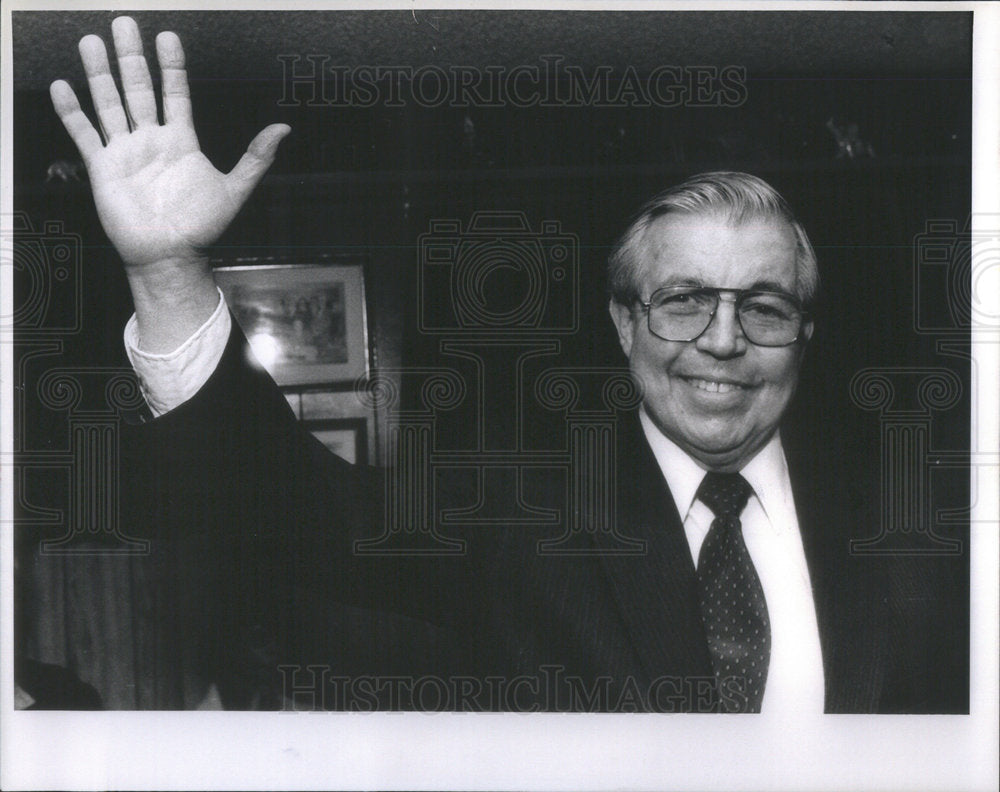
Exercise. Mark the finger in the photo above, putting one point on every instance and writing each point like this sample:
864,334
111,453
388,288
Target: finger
252,166
140,101
103,90
176,95
77,124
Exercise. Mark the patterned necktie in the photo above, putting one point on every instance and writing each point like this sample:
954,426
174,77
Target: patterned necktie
732,599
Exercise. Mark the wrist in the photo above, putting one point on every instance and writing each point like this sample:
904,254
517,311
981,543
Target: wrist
173,298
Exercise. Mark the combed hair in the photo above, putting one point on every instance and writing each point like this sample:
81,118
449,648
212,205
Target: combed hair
739,197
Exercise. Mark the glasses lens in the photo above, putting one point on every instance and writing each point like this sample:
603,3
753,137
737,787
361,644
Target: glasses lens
769,319
681,313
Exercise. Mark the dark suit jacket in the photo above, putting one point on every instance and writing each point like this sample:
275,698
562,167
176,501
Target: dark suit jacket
257,521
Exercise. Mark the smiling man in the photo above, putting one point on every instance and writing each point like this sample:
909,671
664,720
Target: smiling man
710,285
718,342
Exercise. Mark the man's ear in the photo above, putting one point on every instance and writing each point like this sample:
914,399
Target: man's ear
624,321
807,332
804,336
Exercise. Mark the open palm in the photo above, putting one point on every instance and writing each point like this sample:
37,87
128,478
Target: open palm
158,197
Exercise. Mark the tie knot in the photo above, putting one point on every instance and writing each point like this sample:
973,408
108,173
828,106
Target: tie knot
724,493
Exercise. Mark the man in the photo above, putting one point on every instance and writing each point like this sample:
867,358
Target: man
745,596
719,367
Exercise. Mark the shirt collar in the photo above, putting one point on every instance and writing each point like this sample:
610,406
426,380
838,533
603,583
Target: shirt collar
767,472
681,472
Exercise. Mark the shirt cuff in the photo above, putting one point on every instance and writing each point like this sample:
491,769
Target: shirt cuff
168,380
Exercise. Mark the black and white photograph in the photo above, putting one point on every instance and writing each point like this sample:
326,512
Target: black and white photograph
552,397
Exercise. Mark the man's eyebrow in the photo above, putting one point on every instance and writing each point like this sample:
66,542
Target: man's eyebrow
679,282
768,285
760,285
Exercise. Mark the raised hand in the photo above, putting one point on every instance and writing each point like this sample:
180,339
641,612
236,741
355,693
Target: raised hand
158,197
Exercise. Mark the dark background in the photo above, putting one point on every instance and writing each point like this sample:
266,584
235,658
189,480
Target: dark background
367,182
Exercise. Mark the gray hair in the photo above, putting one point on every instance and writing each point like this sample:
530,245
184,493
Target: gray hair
740,196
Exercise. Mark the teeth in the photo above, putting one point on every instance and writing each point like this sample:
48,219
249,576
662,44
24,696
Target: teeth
714,387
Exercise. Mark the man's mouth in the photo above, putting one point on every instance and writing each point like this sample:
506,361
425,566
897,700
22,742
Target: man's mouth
714,386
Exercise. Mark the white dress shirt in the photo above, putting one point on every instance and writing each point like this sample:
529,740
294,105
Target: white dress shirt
770,526
771,532
168,380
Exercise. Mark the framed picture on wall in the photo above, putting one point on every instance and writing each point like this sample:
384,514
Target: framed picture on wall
346,437
306,323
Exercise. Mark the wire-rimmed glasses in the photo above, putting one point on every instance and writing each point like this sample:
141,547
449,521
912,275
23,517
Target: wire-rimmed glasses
683,313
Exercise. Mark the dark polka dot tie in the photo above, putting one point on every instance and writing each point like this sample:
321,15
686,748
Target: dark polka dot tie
732,599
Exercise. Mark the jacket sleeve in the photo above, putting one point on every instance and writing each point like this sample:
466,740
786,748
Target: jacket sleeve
252,524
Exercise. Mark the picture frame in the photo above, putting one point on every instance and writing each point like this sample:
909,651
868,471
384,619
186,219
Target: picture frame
345,437
306,322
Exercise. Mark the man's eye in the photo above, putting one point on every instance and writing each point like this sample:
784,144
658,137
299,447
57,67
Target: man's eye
688,299
767,309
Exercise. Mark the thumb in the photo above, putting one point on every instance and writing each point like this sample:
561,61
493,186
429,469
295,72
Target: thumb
254,164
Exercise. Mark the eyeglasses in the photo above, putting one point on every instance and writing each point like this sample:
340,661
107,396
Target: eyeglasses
683,313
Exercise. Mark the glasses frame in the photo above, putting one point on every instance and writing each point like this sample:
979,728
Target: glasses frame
739,295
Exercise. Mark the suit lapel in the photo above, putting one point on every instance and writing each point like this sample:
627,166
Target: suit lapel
655,589
850,601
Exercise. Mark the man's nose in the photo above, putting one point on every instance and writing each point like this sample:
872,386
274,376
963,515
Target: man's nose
723,338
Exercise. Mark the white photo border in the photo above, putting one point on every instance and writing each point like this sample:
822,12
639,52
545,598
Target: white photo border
233,750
